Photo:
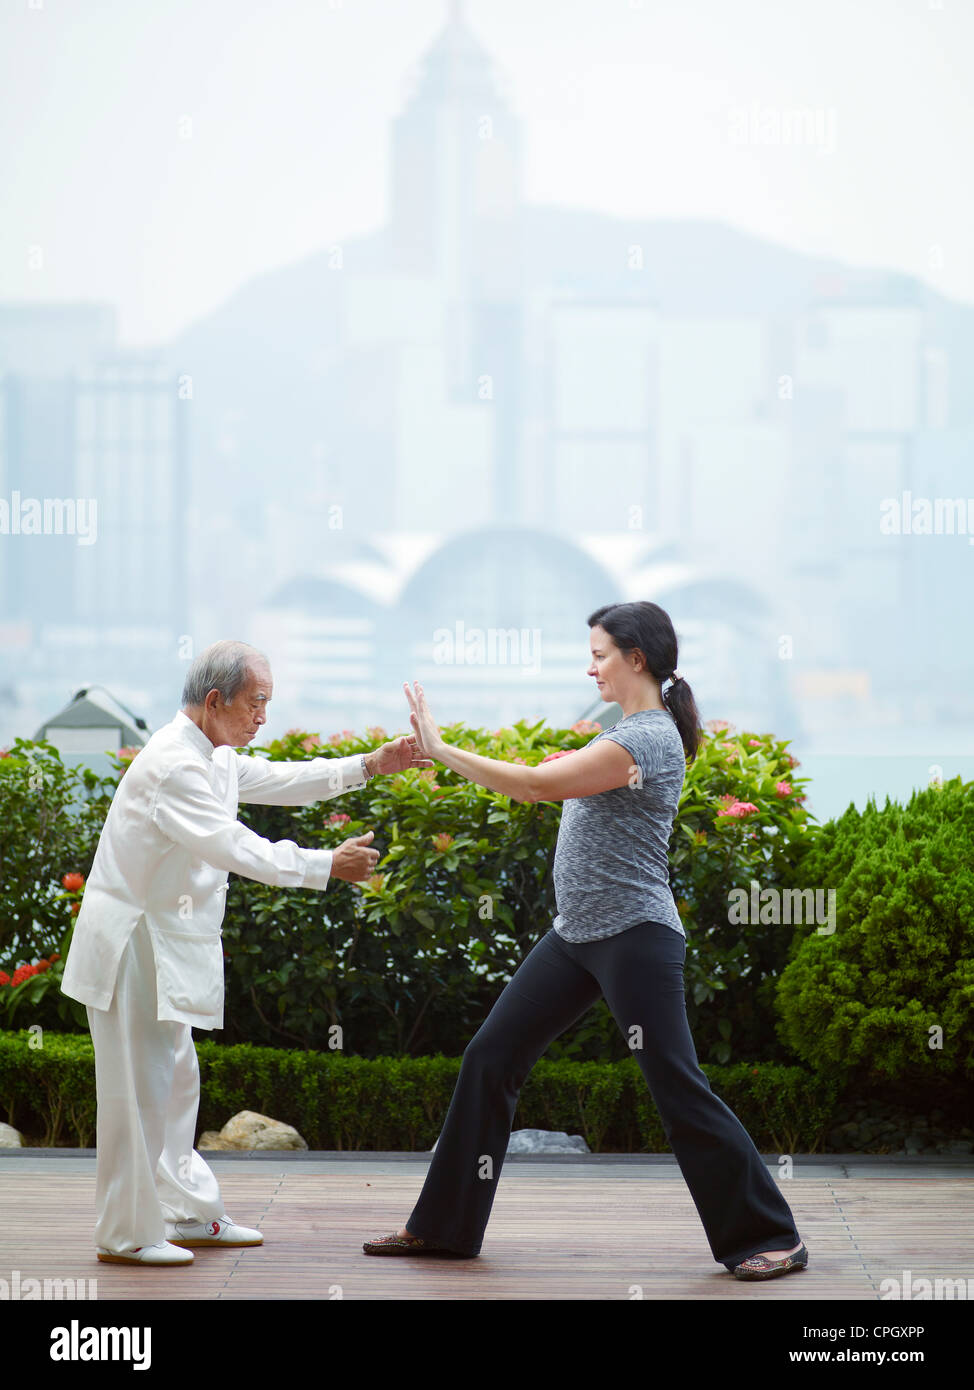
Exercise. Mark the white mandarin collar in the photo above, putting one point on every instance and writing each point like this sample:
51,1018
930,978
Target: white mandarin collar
195,735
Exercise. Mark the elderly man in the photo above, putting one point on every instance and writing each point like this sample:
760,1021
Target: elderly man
147,954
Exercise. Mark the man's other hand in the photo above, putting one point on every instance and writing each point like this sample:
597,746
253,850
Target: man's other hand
353,861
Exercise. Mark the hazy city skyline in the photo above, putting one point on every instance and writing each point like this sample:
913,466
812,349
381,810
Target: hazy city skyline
506,401
159,158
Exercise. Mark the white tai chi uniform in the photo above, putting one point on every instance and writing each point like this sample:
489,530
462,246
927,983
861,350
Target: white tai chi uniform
146,957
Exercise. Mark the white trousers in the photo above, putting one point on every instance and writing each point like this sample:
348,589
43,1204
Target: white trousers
148,1175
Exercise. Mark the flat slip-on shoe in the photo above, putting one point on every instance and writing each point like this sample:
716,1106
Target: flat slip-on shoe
193,1234
757,1267
412,1245
165,1253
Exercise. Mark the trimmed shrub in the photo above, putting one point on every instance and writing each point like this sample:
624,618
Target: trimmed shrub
890,994
50,820
399,1103
47,1086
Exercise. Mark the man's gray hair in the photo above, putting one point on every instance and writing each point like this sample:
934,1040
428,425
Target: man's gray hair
224,667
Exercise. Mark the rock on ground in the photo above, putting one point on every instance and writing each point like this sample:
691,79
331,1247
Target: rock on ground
546,1141
248,1130
543,1141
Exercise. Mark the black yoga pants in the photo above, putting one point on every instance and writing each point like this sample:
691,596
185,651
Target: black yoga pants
639,973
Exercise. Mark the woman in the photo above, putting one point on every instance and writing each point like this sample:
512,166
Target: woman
617,935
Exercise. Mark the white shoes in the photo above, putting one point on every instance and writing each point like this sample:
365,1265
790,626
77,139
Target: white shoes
222,1232
165,1253
174,1250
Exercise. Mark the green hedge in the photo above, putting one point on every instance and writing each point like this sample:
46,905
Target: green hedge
411,962
399,1103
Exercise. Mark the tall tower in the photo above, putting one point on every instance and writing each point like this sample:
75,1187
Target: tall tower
456,217
456,154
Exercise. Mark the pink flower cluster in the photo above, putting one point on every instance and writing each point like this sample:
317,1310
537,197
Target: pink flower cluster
126,756
732,807
428,774
562,753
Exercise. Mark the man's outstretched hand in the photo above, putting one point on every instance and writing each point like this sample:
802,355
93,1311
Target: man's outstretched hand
398,756
353,861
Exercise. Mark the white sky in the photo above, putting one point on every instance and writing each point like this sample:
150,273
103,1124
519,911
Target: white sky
627,109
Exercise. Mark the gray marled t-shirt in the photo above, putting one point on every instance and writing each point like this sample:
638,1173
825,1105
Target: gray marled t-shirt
610,861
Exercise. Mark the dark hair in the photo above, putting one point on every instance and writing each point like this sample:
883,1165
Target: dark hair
646,628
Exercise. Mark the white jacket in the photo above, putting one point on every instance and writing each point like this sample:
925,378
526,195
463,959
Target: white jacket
169,840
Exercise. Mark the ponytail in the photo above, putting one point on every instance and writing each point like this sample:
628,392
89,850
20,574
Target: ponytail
678,699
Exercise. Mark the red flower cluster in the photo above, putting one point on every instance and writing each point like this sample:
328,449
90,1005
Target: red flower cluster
73,883
24,972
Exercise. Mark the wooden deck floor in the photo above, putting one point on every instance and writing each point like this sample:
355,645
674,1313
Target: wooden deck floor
556,1232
